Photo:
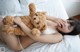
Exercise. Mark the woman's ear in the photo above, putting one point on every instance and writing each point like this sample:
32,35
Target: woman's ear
32,9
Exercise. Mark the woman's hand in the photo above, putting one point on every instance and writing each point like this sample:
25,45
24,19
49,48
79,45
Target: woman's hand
17,20
60,22
26,29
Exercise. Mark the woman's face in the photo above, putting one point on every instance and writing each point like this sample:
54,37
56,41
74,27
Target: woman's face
67,28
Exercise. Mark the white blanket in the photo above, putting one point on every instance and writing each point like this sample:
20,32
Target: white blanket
68,44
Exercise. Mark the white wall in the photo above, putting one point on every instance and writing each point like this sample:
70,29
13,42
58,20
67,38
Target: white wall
72,7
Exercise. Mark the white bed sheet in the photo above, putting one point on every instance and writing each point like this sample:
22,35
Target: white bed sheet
51,7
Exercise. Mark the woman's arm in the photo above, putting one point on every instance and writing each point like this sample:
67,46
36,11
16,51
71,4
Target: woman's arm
59,21
53,38
18,21
54,18
51,18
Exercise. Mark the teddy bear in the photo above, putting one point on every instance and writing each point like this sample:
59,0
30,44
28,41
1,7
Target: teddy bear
36,21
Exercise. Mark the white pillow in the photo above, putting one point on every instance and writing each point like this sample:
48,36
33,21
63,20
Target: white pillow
52,7
9,7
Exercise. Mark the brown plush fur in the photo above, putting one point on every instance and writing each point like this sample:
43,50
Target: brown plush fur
35,21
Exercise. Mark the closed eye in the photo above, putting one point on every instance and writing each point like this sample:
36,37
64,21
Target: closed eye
69,27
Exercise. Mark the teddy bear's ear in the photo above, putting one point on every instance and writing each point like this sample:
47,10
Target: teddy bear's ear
32,9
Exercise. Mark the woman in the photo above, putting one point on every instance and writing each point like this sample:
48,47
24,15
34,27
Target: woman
15,43
12,7
69,27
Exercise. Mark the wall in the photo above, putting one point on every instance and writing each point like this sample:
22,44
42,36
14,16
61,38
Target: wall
72,7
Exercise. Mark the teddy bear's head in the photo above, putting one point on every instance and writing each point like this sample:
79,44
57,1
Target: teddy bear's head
38,19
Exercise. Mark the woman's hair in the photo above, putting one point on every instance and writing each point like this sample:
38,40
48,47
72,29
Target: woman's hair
76,25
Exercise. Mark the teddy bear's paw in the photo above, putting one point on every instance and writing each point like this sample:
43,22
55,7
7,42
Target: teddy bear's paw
36,32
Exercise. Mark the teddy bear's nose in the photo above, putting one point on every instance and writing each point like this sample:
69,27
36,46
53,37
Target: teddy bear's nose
37,22
34,18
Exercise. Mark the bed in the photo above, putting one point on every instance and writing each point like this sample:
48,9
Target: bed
68,44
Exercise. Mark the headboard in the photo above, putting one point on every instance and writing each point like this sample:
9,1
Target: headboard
77,17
